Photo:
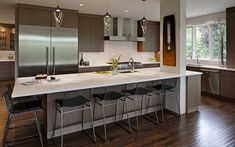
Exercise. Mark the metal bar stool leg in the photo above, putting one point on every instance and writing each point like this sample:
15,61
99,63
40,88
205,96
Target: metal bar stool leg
142,104
55,123
177,103
61,128
127,114
136,115
148,105
92,123
116,109
38,127
83,117
155,111
163,118
123,109
104,121
6,129
94,109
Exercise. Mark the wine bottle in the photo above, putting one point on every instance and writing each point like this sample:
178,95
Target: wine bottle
82,60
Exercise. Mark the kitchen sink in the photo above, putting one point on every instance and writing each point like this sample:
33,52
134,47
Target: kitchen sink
127,71
196,65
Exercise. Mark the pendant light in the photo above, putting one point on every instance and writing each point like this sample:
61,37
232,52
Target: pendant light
144,21
58,16
107,19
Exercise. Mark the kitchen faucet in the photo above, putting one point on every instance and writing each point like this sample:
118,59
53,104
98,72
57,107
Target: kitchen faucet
198,61
131,62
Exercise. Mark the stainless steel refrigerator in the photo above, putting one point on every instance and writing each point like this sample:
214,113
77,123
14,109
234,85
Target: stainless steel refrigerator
47,50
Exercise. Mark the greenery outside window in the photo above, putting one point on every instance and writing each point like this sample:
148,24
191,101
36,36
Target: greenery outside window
189,42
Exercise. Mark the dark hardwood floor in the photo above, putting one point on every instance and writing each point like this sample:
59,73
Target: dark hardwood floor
212,126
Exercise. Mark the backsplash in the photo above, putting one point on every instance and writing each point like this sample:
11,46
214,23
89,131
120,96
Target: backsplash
4,54
126,49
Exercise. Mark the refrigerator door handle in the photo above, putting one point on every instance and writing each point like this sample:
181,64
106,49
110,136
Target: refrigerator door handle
47,60
53,52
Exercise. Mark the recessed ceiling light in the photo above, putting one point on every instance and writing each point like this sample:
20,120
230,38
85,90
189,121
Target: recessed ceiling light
126,11
81,5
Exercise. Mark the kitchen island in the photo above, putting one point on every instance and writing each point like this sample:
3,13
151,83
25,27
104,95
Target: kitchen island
84,83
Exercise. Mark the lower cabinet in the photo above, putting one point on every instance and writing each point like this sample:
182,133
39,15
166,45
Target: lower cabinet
210,80
217,82
7,70
227,84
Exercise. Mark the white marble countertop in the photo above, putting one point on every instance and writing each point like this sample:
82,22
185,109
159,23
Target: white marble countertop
211,67
80,81
6,60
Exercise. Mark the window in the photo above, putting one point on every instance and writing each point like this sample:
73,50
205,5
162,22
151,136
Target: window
189,43
202,42
206,42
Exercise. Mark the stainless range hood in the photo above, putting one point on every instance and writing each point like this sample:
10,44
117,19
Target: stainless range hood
123,29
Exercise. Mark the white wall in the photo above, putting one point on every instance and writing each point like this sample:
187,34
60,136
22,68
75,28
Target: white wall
4,54
178,8
124,48
210,18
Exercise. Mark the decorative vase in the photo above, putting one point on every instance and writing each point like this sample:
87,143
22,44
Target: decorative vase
114,70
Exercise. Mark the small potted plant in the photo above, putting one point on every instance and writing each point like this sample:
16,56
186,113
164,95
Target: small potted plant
114,64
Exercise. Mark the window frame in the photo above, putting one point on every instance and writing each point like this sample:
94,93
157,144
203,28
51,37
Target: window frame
210,41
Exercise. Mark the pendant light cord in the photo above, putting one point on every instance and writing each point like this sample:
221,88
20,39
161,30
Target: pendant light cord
143,7
107,5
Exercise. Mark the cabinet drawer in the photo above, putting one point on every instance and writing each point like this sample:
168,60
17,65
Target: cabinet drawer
7,70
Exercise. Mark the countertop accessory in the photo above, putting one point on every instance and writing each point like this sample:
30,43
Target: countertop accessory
10,57
41,76
114,67
103,72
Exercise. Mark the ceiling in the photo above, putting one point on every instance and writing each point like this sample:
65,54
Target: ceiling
118,7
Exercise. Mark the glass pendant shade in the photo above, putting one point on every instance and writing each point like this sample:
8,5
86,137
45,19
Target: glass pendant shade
107,22
58,16
144,25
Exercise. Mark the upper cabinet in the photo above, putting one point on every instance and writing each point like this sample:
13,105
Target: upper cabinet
91,33
43,16
152,38
32,16
7,37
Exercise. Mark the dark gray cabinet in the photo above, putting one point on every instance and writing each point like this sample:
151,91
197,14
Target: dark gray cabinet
43,16
210,80
31,16
91,33
227,81
7,71
152,38
230,21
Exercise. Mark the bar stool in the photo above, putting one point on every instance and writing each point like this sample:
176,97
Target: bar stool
18,108
143,92
165,89
112,97
77,101
23,99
